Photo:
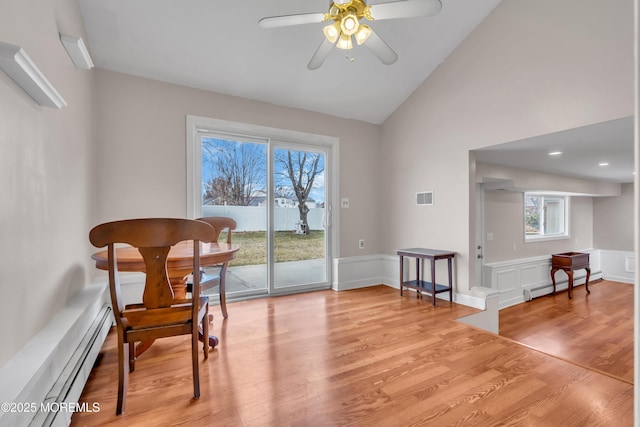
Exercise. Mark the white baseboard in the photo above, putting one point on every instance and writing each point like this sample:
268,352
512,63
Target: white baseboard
359,272
519,280
618,266
511,280
371,270
54,365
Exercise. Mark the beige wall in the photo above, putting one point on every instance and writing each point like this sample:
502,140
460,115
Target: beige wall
504,218
601,222
529,69
613,221
142,155
46,175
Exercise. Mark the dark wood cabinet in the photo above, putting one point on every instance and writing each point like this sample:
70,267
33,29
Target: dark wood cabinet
568,262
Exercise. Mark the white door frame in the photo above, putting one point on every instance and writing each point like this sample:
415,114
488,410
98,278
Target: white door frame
196,124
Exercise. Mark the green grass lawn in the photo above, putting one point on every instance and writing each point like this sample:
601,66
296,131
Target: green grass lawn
288,246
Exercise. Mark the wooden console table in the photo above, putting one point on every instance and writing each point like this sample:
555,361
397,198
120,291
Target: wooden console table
568,262
419,284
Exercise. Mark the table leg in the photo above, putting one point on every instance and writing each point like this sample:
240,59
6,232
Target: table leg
143,346
450,280
433,280
179,287
223,291
418,293
401,275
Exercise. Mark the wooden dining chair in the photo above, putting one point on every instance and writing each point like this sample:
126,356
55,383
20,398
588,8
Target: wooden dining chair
220,224
159,315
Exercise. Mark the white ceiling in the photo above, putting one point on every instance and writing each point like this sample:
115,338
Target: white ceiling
583,149
218,46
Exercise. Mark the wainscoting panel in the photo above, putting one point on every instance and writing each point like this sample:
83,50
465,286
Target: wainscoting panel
618,266
520,280
359,272
371,270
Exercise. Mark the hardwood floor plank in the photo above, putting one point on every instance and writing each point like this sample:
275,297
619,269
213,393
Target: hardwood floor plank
356,358
593,330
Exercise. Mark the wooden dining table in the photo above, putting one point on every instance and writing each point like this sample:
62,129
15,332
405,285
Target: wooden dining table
179,267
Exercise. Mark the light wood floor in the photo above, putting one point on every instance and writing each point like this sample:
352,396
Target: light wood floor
593,330
366,357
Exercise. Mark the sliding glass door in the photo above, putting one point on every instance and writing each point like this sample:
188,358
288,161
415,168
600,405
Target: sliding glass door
276,191
299,231
234,184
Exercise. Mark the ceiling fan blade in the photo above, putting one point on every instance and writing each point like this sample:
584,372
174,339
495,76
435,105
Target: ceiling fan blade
321,54
286,20
405,9
381,49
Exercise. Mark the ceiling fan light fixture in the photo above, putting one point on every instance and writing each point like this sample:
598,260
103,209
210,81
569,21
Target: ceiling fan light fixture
332,32
349,23
362,34
347,17
344,42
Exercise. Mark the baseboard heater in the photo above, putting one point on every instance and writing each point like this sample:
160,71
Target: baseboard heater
546,289
69,385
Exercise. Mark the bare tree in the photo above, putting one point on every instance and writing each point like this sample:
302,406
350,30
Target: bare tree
302,169
237,172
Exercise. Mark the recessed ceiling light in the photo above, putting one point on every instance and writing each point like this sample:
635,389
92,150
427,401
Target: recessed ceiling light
603,164
555,153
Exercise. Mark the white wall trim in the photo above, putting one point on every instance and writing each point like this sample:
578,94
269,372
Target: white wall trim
195,124
517,280
360,271
488,319
618,266
55,364
506,279
371,270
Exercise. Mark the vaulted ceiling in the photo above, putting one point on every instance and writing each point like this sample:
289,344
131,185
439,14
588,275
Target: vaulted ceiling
219,46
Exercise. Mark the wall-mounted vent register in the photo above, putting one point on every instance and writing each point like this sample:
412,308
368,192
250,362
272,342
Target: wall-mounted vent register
425,198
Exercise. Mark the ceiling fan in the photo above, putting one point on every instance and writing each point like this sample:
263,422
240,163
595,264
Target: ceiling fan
347,17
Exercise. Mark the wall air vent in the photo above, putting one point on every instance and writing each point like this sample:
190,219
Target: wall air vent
425,198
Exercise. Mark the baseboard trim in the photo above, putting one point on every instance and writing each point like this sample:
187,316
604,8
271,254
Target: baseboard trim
371,270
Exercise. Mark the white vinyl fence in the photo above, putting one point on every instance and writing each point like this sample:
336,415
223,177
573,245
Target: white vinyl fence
254,218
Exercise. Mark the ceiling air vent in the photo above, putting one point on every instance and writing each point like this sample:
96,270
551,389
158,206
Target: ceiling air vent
425,198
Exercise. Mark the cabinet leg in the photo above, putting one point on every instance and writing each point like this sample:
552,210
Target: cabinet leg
570,285
553,279
586,283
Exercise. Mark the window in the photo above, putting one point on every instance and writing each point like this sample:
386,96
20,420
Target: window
546,216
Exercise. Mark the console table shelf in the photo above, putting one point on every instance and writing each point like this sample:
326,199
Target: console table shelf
423,285
419,284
